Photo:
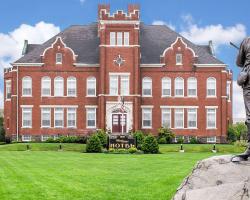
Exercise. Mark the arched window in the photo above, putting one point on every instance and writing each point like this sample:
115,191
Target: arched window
146,86
179,87
91,86
192,87
211,87
58,87
46,86
27,86
166,86
71,86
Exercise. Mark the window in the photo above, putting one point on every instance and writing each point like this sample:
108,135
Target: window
112,38
58,118
179,118
192,87
166,117
26,138
27,86
58,58
91,86
71,86
124,85
179,87
126,38
26,117
228,90
211,87
146,86
211,118
45,137
8,89
119,38
71,118
178,59
58,87
45,117
113,85
192,117
46,86
91,117
211,139
166,87
146,117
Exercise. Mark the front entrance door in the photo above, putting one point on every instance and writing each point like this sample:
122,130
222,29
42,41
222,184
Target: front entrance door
119,121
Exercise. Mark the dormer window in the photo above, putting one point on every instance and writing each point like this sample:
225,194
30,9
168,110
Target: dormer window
58,58
178,59
119,38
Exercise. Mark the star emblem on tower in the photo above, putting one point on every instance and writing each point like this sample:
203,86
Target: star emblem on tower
119,60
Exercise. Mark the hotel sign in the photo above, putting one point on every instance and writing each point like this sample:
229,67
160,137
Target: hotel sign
121,141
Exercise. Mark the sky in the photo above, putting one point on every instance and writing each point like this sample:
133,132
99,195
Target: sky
199,21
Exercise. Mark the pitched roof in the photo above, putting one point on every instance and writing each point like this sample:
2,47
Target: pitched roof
84,41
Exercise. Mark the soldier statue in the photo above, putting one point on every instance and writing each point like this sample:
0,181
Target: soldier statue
243,61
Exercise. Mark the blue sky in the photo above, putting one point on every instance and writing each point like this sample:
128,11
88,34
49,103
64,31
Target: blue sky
219,20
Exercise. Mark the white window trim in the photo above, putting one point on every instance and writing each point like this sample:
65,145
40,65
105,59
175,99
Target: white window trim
61,56
192,79
7,82
211,141
59,79
170,112
179,63
121,38
182,87
188,119
55,118
166,80
75,119
27,95
87,110
26,140
71,79
211,107
143,86
42,110
124,33
90,79
117,85
183,119
211,96
143,109
23,118
112,38
125,77
49,80
45,136
228,91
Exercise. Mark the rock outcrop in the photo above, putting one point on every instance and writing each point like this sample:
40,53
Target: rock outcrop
216,178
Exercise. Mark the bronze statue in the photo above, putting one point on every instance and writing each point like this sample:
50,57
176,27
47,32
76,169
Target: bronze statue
243,61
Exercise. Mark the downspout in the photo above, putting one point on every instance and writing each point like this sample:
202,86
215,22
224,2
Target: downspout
17,128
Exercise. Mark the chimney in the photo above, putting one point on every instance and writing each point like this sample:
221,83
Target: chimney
211,47
25,47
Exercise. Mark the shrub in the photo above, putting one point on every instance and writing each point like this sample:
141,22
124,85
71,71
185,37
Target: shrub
180,140
162,140
193,140
139,136
94,144
241,143
2,131
7,140
166,133
68,139
236,132
103,137
50,140
132,150
150,145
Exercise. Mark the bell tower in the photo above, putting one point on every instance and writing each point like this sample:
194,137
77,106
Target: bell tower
119,60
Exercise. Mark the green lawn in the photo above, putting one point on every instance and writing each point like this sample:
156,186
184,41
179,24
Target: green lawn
46,173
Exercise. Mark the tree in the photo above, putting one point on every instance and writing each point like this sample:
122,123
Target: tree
237,131
2,131
166,133
94,144
150,145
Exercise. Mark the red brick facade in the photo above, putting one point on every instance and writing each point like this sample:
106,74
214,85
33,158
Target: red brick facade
104,102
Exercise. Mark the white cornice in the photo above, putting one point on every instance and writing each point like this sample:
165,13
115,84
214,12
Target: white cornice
27,64
119,22
58,106
86,65
179,106
210,65
152,65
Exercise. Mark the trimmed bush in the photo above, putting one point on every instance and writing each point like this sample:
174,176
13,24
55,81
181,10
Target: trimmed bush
68,139
94,144
193,140
180,140
139,136
103,137
162,140
132,150
166,133
150,145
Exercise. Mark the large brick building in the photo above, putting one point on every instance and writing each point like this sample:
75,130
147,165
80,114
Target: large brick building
70,85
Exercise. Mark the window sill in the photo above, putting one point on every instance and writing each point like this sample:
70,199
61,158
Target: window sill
146,127
26,96
211,128
91,127
210,97
73,127
45,127
91,96
147,96
26,127
179,64
58,63
165,96
7,99
179,96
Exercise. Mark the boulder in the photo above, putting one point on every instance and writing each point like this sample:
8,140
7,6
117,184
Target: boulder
216,178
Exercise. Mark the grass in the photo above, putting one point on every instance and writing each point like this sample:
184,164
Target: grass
28,175
44,173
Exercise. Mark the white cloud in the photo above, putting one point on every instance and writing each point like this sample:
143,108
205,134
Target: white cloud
219,34
12,42
238,102
82,1
160,22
